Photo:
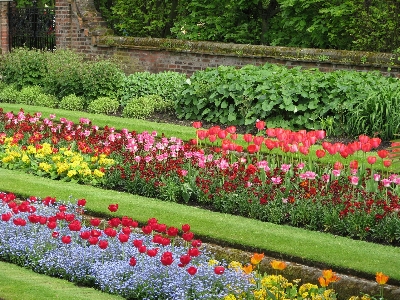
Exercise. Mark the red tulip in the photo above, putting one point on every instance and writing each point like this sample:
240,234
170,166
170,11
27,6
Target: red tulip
212,138
219,270
363,139
114,222
320,153
375,142
152,252
75,225
55,234
188,236
84,235
137,243
366,147
172,231
387,163
185,260
123,238
196,243
95,232
231,129
6,216
93,240
258,140
222,134
132,261
202,134
51,224
192,270
103,244
270,132
260,125
193,252
19,222
252,148
111,232
142,249
147,229
185,227
270,144
197,124
113,207
248,138
66,239
371,159
81,202
95,221
167,258
338,165
383,153
353,164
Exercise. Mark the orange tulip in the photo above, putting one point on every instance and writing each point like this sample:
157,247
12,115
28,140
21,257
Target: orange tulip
323,282
257,258
330,276
247,269
381,278
278,265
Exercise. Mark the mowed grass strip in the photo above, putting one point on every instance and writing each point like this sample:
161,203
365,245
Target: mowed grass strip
18,283
284,242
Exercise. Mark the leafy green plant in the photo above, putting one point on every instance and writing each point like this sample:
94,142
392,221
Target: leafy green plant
378,114
46,100
9,94
141,107
101,78
63,75
72,102
29,94
169,85
23,67
104,105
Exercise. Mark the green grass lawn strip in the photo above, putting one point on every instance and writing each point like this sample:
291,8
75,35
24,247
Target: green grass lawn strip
334,252
18,283
183,132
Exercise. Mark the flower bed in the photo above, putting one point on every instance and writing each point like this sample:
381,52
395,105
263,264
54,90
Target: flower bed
352,200
153,261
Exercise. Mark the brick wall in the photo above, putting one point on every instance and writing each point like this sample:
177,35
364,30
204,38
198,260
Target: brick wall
80,27
4,27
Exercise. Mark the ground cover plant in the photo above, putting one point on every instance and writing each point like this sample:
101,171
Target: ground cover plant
152,260
354,201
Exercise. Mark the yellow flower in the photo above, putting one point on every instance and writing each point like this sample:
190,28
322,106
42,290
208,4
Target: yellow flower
213,262
256,258
278,265
230,297
45,166
235,265
381,278
98,173
25,159
71,173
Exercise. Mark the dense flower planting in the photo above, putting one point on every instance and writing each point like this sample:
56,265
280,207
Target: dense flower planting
352,199
153,261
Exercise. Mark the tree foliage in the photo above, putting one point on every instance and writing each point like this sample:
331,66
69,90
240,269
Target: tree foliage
367,25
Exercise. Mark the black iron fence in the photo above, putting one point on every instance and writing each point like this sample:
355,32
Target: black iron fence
32,27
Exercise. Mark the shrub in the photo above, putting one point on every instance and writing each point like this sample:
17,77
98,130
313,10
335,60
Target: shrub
141,107
46,100
63,75
29,95
104,105
101,78
23,67
9,94
169,85
72,102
